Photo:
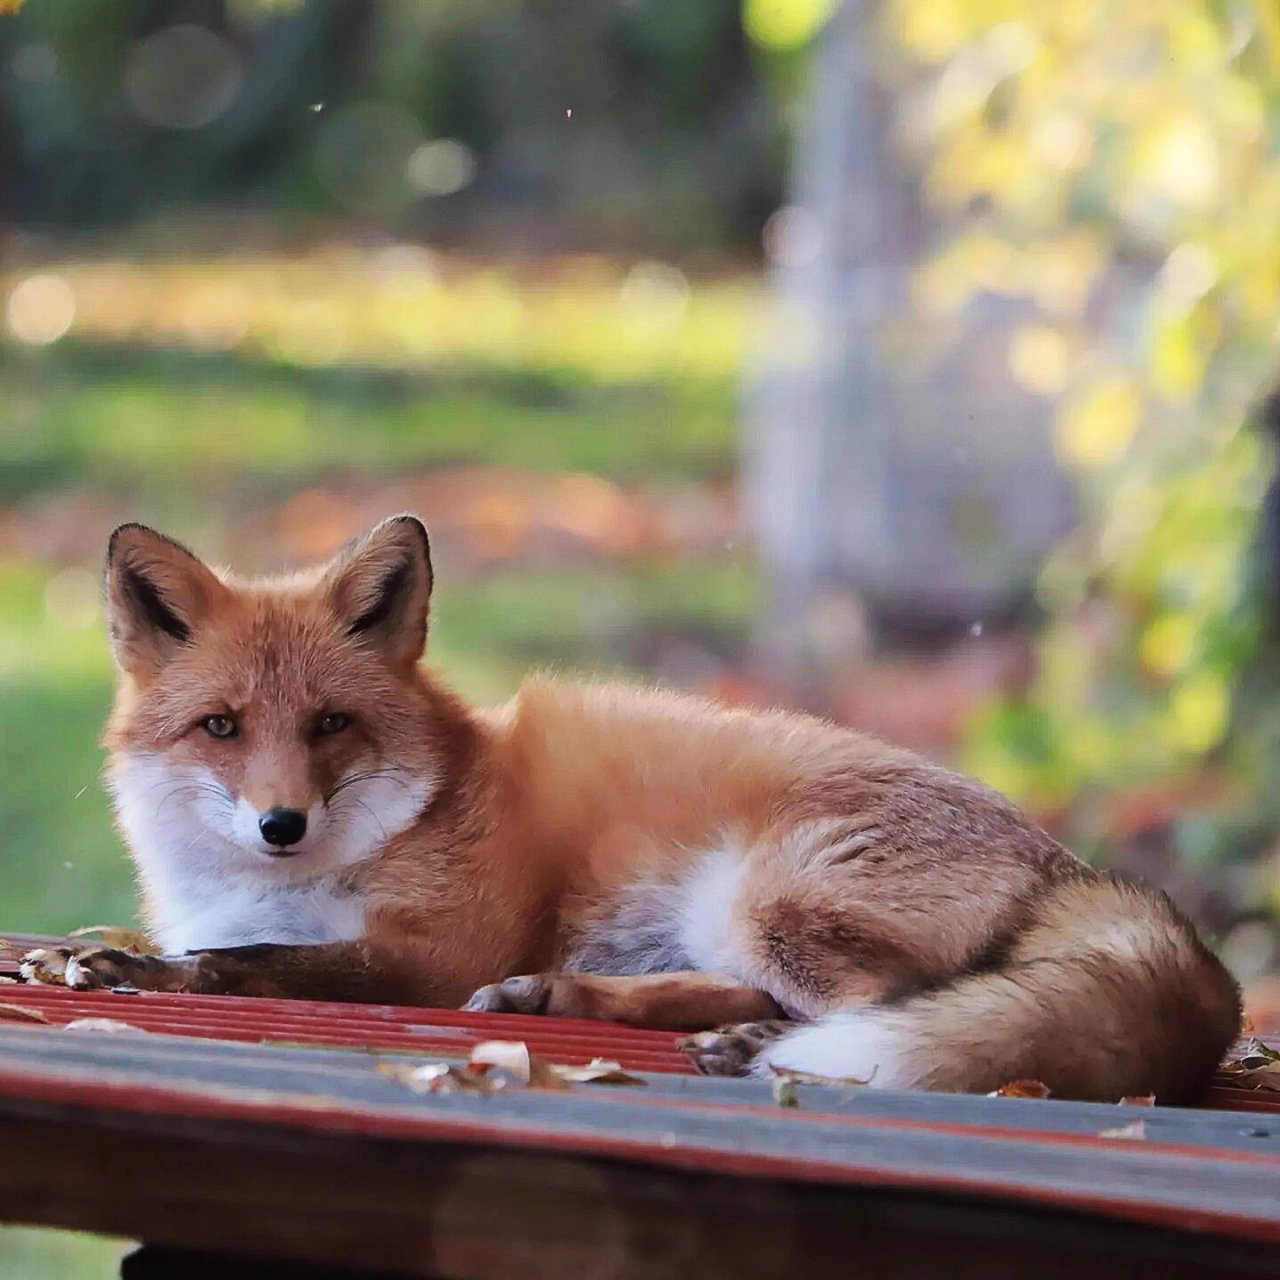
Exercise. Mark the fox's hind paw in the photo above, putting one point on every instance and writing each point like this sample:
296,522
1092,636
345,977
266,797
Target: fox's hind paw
729,1051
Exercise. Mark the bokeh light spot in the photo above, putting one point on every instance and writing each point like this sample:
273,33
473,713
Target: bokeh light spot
40,309
182,77
785,24
440,167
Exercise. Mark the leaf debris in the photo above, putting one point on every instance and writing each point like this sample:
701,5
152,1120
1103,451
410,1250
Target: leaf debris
106,1026
785,1093
1021,1089
1257,1067
118,937
495,1065
808,1077
1137,1131
20,1013
44,964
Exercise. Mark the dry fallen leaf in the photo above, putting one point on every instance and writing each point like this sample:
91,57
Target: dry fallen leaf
442,1077
1143,1100
44,965
1021,1089
120,938
1257,1067
513,1058
807,1077
785,1093
503,1064
20,1013
108,1026
1137,1131
597,1071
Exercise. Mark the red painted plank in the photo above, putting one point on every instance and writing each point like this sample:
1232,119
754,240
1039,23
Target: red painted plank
389,1027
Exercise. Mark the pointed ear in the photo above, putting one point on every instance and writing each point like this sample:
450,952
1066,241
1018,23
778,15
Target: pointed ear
380,586
157,595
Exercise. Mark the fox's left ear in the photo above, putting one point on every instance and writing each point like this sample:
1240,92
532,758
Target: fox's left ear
380,586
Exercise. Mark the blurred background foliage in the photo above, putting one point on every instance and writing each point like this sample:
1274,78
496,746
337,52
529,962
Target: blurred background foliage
270,269
274,267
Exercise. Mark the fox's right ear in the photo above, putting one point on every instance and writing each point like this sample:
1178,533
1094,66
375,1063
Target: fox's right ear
157,592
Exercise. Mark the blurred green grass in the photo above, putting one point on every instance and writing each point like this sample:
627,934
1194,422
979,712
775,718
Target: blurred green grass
28,1253
143,420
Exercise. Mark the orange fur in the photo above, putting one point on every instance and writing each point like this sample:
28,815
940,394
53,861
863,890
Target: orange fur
633,835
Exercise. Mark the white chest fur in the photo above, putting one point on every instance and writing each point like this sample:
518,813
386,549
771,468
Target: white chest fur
246,913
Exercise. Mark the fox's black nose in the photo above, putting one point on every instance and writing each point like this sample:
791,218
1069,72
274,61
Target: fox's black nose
282,827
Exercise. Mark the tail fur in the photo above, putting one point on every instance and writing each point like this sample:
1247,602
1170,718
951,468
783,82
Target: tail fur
1106,992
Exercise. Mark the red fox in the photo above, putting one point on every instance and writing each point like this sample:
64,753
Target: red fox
314,815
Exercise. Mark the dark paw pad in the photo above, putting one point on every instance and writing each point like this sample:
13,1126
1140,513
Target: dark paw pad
729,1051
527,993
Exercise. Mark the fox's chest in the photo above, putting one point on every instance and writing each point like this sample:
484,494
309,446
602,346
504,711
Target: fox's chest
241,915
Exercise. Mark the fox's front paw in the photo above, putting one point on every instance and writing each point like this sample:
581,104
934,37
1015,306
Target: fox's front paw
528,993
95,968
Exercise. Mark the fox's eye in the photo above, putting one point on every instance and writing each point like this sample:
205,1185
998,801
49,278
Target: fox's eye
219,726
334,722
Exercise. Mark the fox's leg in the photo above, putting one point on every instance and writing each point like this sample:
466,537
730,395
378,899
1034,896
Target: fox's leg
828,914
359,972
684,1001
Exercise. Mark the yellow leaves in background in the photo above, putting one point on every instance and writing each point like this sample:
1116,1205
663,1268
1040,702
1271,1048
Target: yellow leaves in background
1198,710
1168,644
402,307
784,25
9,6
1097,424
1055,272
1039,358
1178,160
1177,357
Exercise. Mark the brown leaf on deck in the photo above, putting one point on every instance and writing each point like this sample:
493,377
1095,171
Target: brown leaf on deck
44,965
104,1026
1021,1089
808,1077
513,1058
1257,1067
597,1071
785,1093
118,937
20,1013
440,1077
503,1064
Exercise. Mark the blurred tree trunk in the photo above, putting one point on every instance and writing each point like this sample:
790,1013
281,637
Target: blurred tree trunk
895,474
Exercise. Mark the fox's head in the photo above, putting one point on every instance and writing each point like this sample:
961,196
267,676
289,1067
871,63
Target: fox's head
280,727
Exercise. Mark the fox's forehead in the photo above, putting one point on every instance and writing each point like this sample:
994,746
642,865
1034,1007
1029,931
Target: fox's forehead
272,649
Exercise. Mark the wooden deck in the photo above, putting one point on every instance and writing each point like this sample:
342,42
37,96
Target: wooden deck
266,1129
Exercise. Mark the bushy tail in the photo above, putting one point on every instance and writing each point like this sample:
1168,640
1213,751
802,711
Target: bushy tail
1106,992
